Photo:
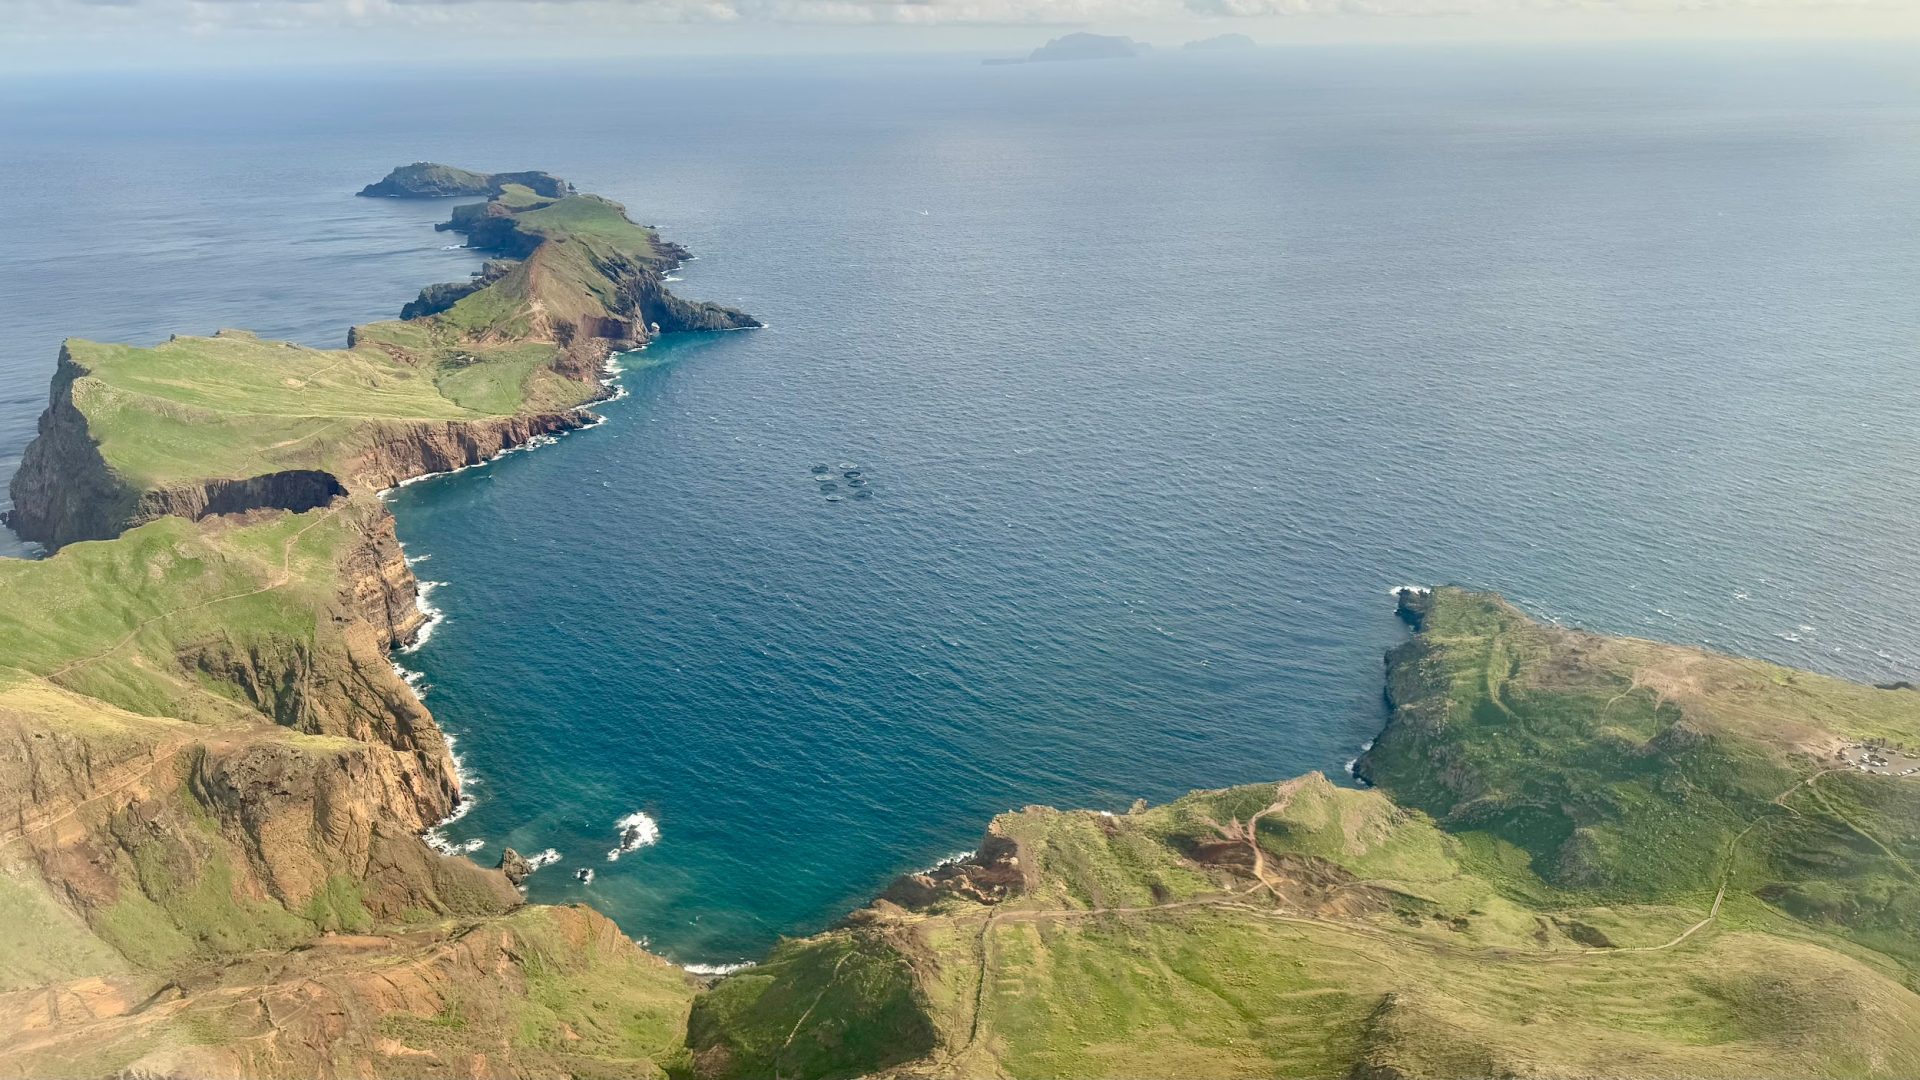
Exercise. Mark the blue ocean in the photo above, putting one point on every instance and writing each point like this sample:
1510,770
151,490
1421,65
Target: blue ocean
1157,376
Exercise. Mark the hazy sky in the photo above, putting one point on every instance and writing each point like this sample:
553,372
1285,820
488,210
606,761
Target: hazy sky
163,33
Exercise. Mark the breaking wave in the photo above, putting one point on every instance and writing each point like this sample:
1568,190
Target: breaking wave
434,615
715,969
637,830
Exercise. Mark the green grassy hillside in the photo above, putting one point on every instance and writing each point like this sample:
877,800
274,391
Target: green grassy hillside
211,790
234,406
1585,857
1623,770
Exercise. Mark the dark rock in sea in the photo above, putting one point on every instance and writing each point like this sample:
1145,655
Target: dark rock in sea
515,866
1901,685
584,876
429,180
1412,604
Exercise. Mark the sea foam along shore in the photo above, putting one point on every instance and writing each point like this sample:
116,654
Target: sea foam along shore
436,837
610,371
716,970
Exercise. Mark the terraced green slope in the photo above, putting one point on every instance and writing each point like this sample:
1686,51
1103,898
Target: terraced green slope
1586,856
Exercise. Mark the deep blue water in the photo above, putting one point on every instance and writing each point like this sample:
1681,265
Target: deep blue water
1161,373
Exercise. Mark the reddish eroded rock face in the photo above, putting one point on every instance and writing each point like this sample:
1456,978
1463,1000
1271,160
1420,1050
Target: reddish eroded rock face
403,451
988,876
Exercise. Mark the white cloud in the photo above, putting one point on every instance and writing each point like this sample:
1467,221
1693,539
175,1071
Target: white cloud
113,33
932,11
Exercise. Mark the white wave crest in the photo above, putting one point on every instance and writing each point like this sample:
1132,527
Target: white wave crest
1353,762
956,857
436,837
434,615
637,830
416,681
716,969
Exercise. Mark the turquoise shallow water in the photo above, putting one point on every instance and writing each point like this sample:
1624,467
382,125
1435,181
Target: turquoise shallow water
1160,374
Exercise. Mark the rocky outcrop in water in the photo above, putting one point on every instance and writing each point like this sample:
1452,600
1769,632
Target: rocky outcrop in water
515,866
986,876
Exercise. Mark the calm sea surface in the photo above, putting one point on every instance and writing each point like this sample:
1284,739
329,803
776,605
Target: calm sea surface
1160,375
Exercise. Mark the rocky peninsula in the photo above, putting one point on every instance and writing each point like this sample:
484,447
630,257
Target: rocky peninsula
1574,855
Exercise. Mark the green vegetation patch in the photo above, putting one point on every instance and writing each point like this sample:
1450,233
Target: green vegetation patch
839,1005
234,406
181,904
41,941
590,218
109,619
1624,770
